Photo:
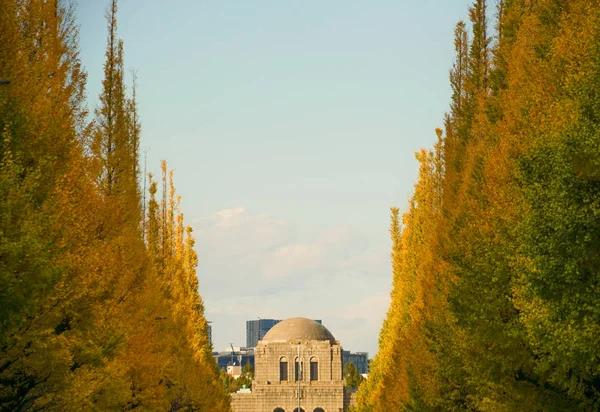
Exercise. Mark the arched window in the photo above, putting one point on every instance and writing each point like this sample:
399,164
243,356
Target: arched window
319,410
278,410
299,369
283,369
314,369
298,410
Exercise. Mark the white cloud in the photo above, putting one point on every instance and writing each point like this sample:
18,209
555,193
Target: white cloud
234,232
329,252
358,323
293,258
252,265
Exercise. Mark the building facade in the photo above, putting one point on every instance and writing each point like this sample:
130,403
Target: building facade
257,329
298,364
359,359
239,357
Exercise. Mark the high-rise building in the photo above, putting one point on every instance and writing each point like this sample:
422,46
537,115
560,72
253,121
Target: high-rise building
359,359
209,332
257,329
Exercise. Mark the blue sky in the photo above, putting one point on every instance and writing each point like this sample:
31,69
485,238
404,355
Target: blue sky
291,127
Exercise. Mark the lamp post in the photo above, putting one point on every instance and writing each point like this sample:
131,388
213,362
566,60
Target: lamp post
4,82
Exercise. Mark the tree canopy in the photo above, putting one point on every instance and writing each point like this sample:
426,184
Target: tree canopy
99,301
495,261
352,377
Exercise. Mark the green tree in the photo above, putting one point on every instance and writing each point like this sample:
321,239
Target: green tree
247,376
352,378
493,300
90,317
42,201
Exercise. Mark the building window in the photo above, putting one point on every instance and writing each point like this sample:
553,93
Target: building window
319,410
314,369
278,410
283,369
298,410
299,370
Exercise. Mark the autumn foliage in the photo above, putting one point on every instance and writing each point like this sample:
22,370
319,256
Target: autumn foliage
99,302
496,261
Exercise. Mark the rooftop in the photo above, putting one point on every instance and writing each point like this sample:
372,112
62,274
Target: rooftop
298,329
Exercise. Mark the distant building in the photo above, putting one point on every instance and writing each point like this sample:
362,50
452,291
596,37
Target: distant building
242,356
209,332
298,368
359,359
237,357
234,371
257,329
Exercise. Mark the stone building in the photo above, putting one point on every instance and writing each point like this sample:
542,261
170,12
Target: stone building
297,361
257,329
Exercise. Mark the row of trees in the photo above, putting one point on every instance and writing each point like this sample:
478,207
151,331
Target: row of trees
496,262
99,303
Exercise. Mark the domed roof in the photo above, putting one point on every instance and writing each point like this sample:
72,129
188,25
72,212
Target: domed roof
298,329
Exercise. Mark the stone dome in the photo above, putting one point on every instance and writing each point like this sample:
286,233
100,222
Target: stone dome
298,329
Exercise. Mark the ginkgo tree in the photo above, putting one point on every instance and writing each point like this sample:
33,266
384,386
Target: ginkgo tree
494,294
99,305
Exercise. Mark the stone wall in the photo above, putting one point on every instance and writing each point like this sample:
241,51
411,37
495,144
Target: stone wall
330,399
267,357
269,392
